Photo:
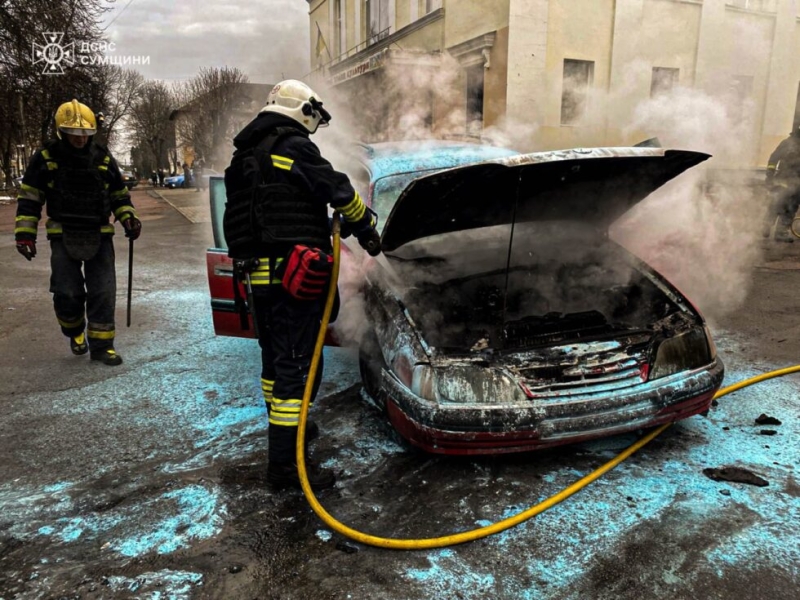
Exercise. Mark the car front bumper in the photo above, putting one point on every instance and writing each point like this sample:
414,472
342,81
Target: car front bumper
452,428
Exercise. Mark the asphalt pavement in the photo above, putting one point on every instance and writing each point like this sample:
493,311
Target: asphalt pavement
147,480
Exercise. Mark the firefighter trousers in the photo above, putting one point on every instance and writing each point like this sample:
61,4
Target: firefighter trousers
287,334
85,290
785,203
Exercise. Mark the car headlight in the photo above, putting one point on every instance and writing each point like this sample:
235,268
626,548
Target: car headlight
690,350
465,384
423,382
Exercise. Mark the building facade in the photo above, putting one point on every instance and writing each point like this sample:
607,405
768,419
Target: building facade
564,73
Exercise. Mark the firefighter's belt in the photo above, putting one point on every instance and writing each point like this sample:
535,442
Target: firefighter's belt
81,244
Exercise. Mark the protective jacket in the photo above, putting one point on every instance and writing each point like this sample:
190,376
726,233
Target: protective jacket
80,188
278,188
784,163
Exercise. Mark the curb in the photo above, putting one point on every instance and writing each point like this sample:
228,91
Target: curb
155,194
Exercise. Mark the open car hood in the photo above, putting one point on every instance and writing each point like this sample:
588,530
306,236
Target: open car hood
594,185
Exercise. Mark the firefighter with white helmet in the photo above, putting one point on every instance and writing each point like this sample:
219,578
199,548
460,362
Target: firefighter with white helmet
278,189
80,186
299,102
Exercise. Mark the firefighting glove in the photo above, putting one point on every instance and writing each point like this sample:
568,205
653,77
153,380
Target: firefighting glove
27,248
367,234
133,227
345,229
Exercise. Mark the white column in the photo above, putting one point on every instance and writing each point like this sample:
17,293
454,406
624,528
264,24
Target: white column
784,73
628,81
527,52
709,74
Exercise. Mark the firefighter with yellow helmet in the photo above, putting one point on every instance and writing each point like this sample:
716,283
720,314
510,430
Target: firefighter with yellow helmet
80,186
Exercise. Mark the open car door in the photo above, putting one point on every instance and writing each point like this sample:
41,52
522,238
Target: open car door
227,320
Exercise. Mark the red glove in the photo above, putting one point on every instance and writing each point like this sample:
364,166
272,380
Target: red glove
27,248
133,227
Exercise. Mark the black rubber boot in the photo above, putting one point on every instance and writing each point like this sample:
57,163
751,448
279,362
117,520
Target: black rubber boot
284,475
108,356
78,344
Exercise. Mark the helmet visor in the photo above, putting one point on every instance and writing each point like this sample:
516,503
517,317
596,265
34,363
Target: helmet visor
77,130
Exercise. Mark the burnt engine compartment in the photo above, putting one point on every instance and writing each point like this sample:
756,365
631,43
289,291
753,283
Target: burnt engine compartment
537,305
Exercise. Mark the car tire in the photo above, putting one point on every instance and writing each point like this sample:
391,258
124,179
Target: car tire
370,365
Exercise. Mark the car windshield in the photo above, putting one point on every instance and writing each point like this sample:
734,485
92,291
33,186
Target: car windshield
388,189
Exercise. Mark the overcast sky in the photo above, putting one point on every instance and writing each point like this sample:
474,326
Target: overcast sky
267,39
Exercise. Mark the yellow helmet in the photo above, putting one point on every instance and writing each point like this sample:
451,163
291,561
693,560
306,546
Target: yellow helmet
75,118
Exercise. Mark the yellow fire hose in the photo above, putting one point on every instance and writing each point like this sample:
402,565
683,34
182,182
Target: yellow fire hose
475,534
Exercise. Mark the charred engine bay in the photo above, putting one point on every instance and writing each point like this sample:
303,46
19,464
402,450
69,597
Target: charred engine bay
535,306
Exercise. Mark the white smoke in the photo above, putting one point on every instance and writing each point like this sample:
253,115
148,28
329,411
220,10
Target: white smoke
702,231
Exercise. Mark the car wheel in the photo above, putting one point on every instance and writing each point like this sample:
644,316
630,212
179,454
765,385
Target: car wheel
370,364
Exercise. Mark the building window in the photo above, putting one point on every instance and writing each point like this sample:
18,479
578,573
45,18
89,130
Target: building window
377,20
475,99
664,79
338,28
578,76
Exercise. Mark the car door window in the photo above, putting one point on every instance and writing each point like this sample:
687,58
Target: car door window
217,199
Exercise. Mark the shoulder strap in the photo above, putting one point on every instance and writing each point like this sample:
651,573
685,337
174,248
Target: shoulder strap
263,149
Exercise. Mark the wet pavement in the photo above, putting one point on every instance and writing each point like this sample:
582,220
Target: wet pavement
148,480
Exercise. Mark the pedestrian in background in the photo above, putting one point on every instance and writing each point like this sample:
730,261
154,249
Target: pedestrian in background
783,184
278,190
80,185
197,174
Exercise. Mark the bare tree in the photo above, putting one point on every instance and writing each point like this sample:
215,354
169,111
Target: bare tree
209,104
123,88
150,125
29,98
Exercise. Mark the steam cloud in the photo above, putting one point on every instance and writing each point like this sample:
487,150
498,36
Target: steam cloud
702,235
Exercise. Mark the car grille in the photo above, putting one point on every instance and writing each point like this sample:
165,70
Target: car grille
604,372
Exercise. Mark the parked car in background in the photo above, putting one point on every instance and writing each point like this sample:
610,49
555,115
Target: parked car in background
501,316
176,181
129,179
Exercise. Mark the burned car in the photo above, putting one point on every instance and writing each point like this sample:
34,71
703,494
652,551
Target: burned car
503,318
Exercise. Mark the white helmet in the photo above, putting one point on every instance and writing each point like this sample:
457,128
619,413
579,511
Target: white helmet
299,102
